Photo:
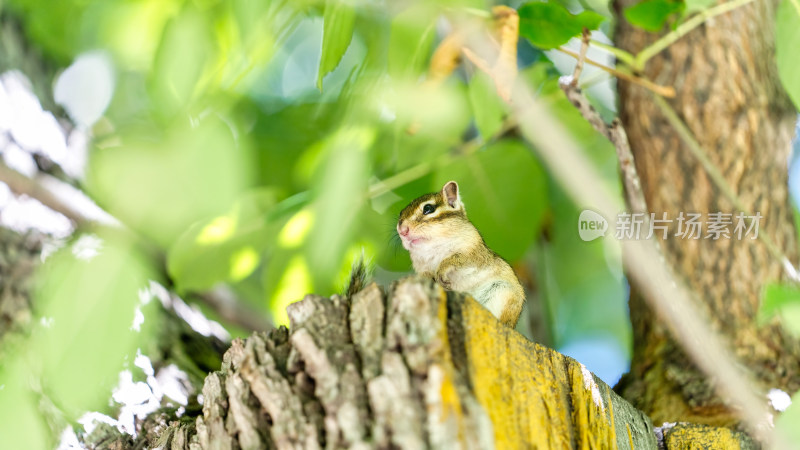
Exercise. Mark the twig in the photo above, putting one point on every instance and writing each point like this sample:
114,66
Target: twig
682,30
616,134
424,168
48,190
665,91
79,209
719,181
232,310
618,53
576,74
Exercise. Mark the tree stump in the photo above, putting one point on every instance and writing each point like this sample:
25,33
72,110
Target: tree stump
417,368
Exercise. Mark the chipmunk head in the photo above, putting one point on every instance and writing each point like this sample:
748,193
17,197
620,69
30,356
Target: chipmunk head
433,219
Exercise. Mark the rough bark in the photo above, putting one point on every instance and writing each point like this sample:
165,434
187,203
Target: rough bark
729,95
415,368
19,257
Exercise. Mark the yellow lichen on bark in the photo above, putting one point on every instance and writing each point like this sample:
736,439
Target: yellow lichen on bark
535,397
525,400
697,436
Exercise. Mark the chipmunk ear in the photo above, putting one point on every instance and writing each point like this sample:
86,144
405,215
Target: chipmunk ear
450,194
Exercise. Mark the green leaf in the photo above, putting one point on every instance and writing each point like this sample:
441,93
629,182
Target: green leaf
782,300
693,6
87,303
339,195
652,14
787,40
180,61
438,115
339,21
786,424
162,185
488,109
550,25
504,189
226,248
24,425
410,39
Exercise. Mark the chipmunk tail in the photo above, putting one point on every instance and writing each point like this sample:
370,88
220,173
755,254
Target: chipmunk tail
359,276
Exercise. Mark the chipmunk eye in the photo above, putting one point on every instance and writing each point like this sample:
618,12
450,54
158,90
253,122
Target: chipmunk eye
427,209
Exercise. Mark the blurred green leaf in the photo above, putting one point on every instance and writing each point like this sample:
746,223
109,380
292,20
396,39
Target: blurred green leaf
550,25
339,194
786,424
180,60
426,116
504,189
651,15
292,280
51,25
595,146
87,304
787,38
131,30
285,135
693,6
339,23
775,297
161,186
781,300
23,424
410,39
488,108
226,248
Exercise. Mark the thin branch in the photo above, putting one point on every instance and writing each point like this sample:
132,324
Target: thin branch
231,309
618,53
665,91
73,203
424,168
615,133
48,190
682,30
719,181
576,74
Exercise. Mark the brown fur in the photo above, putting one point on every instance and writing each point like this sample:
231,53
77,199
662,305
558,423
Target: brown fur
448,248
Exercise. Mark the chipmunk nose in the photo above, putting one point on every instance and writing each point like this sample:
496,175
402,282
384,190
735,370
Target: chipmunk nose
402,229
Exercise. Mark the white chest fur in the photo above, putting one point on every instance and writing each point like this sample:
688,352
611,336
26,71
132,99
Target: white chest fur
428,255
479,282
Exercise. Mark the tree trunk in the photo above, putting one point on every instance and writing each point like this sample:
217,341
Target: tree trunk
417,368
729,96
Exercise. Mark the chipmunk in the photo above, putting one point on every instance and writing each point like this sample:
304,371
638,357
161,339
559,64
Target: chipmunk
445,246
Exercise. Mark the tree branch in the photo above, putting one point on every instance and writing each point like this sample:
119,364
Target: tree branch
78,208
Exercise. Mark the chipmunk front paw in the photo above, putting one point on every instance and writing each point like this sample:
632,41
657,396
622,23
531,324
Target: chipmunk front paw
444,279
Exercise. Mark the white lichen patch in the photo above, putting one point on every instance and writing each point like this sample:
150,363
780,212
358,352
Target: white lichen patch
779,399
591,385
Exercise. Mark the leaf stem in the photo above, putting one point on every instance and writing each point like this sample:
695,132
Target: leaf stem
695,21
666,91
422,169
619,53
